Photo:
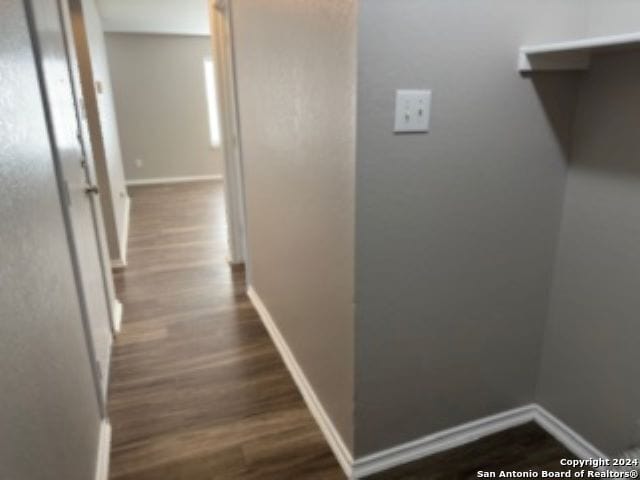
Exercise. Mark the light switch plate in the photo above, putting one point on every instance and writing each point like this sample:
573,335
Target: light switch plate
413,111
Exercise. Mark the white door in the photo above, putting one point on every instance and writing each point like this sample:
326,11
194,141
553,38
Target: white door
76,192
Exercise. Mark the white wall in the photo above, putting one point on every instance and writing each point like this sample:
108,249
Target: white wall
160,97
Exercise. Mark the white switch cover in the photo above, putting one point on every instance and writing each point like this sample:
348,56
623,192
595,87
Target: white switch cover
413,109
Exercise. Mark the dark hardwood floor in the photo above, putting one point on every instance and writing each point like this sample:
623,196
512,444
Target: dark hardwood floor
199,392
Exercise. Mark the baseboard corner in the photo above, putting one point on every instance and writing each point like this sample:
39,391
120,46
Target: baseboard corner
564,434
440,441
472,431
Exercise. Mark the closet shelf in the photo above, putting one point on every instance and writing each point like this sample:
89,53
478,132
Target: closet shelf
574,54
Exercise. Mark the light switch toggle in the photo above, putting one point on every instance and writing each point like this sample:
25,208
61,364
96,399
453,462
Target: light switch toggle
413,109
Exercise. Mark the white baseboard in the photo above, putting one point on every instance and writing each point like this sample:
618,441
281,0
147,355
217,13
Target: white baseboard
124,239
104,451
334,439
119,263
441,441
117,315
574,442
169,180
472,431
426,446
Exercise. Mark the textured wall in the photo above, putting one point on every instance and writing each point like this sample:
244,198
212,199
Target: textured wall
158,81
45,378
296,80
591,348
456,229
591,358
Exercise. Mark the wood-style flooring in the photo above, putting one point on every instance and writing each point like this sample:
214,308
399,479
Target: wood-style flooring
199,392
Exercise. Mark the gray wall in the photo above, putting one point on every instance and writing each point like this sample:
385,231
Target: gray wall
455,230
45,379
591,358
296,80
160,96
478,288
611,17
101,117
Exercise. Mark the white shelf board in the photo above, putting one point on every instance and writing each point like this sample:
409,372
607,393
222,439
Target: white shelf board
574,54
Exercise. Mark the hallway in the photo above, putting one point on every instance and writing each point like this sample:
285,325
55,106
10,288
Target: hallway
197,389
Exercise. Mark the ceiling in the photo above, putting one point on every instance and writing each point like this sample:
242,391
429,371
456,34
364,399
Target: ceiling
187,17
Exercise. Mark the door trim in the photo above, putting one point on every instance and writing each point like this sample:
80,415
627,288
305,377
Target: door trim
220,13
121,262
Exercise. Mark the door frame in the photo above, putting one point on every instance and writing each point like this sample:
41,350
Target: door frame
85,141
220,12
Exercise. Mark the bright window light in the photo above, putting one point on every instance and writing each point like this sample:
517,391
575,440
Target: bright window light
212,103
